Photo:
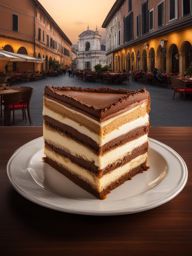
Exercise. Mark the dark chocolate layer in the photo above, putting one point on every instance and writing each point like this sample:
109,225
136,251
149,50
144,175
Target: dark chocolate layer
83,184
92,167
80,98
85,140
71,132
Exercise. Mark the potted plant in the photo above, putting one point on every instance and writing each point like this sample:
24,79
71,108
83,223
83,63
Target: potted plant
189,71
98,68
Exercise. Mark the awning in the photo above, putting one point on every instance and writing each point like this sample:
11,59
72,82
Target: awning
16,57
7,57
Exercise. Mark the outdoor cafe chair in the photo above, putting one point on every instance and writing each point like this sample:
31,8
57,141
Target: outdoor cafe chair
18,101
179,87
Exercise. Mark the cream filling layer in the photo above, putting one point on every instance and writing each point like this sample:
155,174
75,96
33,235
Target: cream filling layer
100,140
102,124
61,141
99,184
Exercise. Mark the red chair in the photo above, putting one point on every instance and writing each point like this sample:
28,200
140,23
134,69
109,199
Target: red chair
177,86
18,101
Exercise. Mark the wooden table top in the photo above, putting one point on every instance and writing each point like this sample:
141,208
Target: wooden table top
7,90
185,80
28,229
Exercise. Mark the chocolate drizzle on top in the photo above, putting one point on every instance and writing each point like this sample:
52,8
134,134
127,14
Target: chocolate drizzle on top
100,103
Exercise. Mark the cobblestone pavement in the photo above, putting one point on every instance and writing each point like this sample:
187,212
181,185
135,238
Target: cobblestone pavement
165,111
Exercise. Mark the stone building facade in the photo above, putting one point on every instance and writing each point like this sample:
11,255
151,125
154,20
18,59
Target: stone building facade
28,28
90,51
152,34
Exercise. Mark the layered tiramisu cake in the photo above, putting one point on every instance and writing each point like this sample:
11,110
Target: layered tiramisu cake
98,138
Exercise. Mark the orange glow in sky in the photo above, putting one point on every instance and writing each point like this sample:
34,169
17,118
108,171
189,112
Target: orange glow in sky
73,16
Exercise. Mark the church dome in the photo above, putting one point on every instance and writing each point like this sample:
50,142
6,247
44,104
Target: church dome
89,32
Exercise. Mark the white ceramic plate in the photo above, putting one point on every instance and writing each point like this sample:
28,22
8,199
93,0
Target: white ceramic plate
43,185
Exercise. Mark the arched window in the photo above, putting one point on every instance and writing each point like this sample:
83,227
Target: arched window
138,60
87,46
144,60
46,63
50,62
186,51
152,59
174,56
132,60
22,50
162,56
8,48
119,64
128,62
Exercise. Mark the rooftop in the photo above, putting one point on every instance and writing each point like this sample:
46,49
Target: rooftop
117,5
57,27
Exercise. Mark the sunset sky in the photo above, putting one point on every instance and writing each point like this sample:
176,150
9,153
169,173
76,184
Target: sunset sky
73,16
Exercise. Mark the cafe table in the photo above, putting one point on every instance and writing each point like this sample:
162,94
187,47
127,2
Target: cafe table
6,91
28,229
187,82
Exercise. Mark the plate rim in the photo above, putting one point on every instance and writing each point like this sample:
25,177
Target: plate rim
115,212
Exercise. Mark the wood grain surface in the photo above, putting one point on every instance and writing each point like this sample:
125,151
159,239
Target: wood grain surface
28,229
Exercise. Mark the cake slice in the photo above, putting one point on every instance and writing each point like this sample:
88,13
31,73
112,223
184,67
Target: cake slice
98,138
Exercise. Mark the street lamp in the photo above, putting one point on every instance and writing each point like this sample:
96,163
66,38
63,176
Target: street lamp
146,46
163,43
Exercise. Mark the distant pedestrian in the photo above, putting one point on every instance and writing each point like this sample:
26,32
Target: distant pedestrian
72,73
69,72
6,69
